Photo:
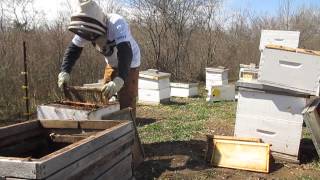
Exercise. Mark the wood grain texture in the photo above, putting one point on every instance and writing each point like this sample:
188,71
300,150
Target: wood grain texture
66,156
242,155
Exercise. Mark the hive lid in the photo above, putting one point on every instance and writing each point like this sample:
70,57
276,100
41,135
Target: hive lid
219,69
296,50
154,74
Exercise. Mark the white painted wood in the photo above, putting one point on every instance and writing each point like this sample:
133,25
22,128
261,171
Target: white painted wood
145,83
216,77
153,96
281,38
210,83
290,70
248,72
276,119
52,111
184,89
154,74
221,93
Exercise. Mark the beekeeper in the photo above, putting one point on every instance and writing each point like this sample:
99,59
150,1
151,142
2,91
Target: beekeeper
110,35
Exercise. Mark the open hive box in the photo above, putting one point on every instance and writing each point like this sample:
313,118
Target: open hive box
59,149
75,110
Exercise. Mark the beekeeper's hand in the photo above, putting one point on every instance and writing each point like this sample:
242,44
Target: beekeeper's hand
112,87
63,78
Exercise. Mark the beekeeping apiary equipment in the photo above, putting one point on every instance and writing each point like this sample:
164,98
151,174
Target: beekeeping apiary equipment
288,68
221,93
60,149
216,77
154,87
65,110
280,38
248,72
273,115
184,89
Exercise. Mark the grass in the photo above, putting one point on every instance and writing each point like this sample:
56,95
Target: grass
185,118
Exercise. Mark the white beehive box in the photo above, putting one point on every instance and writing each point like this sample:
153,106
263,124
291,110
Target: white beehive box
154,87
281,38
184,89
275,118
65,111
221,93
216,77
294,69
248,72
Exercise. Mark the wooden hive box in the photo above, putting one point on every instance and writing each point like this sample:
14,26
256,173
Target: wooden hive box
293,69
59,149
154,87
216,77
281,38
184,89
66,110
272,115
221,93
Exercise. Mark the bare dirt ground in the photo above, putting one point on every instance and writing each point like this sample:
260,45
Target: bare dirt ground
185,159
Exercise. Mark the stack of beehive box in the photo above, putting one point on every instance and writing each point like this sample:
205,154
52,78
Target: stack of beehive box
217,85
154,87
271,107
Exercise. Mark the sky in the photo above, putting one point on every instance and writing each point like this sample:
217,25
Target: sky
267,6
51,7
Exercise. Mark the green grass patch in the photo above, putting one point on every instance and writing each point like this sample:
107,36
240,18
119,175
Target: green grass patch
184,118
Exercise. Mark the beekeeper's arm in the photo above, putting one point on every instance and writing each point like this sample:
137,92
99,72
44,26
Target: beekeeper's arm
122,38
71,55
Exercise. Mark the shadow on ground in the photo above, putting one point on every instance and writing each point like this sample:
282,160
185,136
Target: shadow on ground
172,156
144,121
308,152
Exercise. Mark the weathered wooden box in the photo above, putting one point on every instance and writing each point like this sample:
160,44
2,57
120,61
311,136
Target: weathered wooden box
59,149
294,69
78,111
274,116
154,87
312,119
184,89
216,77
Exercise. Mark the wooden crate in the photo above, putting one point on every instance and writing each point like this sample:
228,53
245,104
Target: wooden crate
59,149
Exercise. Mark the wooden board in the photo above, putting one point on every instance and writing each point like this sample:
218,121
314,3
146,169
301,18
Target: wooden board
105,143
137,149
210,139
312,120
297,50
242,155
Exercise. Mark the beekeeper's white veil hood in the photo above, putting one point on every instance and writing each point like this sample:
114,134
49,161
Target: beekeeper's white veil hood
87,20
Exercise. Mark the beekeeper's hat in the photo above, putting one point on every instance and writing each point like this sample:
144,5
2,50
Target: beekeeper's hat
87,20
